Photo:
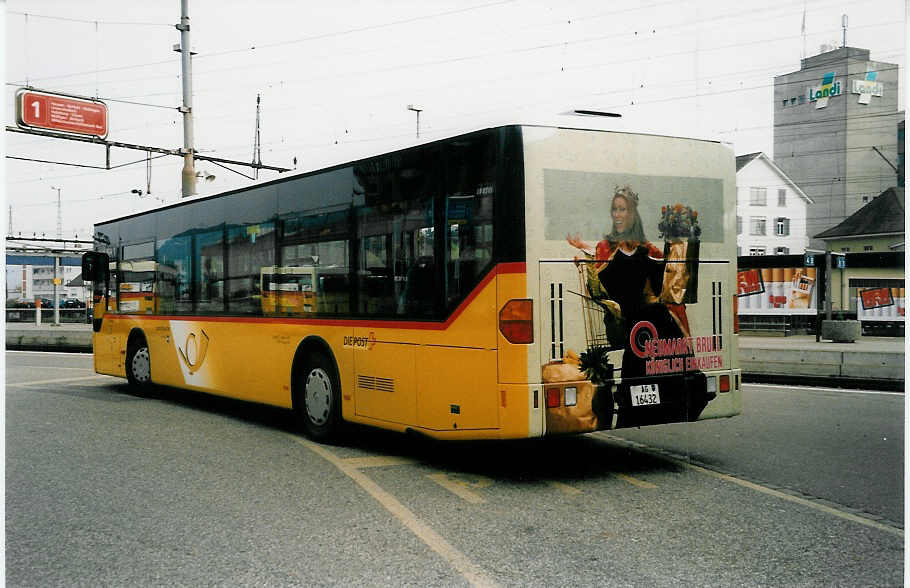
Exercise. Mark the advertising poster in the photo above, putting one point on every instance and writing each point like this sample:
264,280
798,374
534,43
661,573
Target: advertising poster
880,304
749,282
770,291
876,298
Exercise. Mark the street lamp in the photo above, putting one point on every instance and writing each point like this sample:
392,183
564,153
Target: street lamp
418,110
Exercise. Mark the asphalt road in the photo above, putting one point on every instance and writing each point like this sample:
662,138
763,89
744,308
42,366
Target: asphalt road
109,489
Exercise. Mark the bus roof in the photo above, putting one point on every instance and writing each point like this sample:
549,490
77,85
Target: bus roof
299,175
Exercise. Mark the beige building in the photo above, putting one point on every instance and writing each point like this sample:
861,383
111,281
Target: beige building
877,231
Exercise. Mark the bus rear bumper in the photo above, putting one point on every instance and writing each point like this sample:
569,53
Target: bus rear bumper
581,407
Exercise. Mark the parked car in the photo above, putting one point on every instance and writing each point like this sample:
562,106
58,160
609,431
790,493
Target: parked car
73,303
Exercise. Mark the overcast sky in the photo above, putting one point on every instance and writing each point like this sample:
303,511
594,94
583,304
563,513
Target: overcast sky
336,78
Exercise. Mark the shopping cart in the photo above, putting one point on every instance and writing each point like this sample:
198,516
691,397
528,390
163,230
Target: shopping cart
593,311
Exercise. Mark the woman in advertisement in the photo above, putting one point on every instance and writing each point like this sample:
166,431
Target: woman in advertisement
626,276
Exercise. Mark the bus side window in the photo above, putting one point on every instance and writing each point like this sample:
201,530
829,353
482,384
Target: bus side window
175,253
419,290
250,248
470,193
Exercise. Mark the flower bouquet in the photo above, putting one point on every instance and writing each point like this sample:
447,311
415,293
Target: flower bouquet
679,229
678,223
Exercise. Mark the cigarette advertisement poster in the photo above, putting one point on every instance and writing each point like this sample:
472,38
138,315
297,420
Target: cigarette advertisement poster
789,290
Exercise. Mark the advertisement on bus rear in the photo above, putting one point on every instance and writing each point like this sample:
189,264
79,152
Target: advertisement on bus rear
647,295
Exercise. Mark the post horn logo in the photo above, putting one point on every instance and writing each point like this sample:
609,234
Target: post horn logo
196,348
641,333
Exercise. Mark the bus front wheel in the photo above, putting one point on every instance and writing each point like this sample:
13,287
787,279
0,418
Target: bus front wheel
138,364
317,404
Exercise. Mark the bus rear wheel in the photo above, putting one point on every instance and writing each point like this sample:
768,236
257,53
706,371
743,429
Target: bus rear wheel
317,401
139,364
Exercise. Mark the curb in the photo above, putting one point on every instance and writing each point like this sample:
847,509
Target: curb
825,381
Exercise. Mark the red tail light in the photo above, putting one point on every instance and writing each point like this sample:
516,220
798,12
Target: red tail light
552,397
725,383
516,321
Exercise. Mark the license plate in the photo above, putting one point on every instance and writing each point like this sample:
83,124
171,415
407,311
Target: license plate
645,395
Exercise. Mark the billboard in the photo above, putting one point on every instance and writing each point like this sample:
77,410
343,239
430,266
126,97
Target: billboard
780,290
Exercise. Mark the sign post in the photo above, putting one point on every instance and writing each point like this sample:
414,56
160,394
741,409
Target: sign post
810,260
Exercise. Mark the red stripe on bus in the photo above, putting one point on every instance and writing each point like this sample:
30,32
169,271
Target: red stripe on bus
517,267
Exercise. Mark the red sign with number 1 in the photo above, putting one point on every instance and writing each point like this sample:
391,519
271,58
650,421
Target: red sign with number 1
56,112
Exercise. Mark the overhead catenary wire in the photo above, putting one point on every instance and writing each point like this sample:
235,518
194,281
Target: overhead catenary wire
229,51
201,71
378,138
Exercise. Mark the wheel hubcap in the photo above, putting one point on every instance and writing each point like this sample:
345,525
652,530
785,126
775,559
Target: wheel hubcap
318,396
141,366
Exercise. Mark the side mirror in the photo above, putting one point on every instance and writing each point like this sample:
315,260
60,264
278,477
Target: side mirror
95,267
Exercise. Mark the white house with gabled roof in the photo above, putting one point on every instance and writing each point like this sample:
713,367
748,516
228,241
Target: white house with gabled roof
771,209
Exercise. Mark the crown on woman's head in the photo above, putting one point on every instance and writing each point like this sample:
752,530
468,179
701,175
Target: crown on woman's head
627,193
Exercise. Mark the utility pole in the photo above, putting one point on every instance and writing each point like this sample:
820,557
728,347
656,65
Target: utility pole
257,153
189,171
56,291
10,232
59,215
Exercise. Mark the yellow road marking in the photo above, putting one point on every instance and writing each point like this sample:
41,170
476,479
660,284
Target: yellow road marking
763,489
470,571
565,488
55,381
635,481
798,500
377,461
459,487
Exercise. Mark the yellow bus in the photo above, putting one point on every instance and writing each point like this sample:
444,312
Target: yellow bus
513,282
143,287
288,290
